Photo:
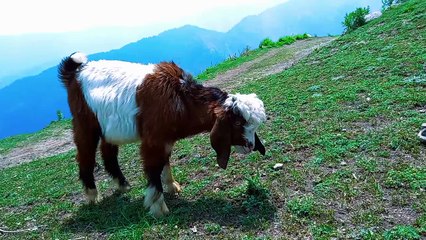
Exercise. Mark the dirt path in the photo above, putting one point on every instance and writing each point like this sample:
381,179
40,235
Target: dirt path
275,61
45,148
287,56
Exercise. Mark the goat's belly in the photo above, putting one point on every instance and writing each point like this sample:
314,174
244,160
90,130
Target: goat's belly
118,129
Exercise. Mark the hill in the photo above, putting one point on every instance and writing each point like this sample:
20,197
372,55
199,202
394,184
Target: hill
342,121
320,18
31,103
29,54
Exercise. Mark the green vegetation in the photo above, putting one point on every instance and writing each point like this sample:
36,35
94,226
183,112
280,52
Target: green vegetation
343,122
301,207
287,40
54,129
355,19
230,63
401,232
388,3
247,55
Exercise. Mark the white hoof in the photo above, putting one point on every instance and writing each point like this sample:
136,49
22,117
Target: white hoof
154,200
91,195
121,188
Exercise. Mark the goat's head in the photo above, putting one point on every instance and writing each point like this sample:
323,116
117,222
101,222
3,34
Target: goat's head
237,126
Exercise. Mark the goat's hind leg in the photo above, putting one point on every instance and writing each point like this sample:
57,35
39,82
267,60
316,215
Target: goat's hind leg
109,154
86,143
170,185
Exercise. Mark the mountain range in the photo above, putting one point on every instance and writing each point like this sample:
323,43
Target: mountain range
30,103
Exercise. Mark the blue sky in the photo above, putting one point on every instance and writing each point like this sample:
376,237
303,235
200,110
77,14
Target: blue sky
25,16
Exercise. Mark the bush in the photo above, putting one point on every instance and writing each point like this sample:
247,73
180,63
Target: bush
267,43
59,115
355,19
286,40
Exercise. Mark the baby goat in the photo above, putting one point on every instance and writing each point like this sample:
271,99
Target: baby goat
120,102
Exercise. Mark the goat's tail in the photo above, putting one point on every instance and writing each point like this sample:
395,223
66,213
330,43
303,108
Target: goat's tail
68,67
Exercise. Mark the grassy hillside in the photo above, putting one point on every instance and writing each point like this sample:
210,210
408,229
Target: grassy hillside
343,122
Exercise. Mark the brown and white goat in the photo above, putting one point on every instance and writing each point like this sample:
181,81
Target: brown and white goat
120,102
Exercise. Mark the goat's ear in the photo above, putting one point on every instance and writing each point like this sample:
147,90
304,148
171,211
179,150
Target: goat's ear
220,139
258,146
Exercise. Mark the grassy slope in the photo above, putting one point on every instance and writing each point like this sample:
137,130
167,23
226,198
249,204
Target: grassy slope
53,129
343,122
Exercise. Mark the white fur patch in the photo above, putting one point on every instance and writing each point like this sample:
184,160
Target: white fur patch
91,195
79,57
154,200
251,109
109,88
249,106
119,187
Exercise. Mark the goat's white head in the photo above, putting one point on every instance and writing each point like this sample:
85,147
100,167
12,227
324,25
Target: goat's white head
237,127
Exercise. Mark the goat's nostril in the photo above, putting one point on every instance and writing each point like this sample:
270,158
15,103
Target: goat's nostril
251,145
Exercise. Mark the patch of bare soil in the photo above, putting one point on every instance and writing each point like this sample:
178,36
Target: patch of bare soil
244,73
49,147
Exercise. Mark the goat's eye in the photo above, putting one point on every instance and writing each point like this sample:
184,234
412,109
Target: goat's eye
237,123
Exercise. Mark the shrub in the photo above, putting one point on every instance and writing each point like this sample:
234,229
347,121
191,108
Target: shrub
287,40
59,115
267,43
301,36
355,19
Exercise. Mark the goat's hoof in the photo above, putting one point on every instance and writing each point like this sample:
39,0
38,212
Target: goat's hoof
154,200
173,188
122,188
91,195
158,209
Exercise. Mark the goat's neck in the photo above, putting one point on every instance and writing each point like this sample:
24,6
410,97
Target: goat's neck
207,105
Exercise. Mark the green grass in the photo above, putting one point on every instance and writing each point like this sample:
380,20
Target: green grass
230,63
401,232
343,122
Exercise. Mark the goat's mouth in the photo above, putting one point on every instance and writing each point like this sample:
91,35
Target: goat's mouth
243,149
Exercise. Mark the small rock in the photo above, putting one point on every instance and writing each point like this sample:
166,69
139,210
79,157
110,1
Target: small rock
368,99
194,229
278,166
343,163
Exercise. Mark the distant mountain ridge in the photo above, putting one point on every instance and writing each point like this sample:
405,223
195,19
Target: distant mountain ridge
29,54
30,103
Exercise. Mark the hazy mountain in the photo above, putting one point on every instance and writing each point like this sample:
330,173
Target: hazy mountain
193,48
30,103
29,54
299,16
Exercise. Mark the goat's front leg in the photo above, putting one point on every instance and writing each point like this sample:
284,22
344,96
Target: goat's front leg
154,159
